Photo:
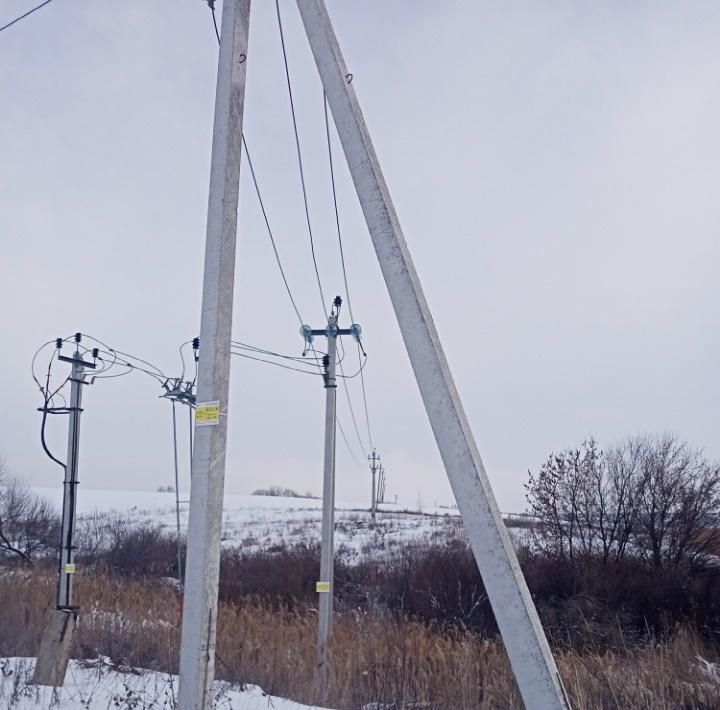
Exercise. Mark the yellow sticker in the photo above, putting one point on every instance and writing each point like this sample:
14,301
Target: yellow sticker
322,587
70,568
207,413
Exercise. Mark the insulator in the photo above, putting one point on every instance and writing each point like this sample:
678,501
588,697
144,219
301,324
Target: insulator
306,333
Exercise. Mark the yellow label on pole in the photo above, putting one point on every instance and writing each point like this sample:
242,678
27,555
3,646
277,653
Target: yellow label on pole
322,587
70,568
207,413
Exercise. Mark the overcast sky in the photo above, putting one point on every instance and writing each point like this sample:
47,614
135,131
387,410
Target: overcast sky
555,167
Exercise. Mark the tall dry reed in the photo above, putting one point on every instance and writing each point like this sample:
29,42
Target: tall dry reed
375,658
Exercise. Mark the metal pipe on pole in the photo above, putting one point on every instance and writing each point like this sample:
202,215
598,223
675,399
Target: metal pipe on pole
199,624
178,528
527,647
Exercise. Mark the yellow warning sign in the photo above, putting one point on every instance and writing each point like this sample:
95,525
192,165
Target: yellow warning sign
322,587
207,413
70,568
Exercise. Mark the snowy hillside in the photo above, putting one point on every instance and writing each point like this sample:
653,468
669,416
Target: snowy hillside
262,522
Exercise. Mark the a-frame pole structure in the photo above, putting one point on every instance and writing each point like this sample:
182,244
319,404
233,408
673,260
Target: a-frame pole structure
199,625
527,647
530,656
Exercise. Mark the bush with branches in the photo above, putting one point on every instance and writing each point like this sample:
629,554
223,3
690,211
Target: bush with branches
654,497
29,527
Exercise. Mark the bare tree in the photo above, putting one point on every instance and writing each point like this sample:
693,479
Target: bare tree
654,497
679,498
563,495
28,525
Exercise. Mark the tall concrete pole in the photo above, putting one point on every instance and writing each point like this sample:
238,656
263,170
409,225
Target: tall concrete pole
197,649
529,653
327,549
65,598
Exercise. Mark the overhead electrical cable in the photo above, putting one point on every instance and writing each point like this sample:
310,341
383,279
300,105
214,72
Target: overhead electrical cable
277,364
22,17
299,157
262,351
269,230
342,262
347,443
335,206
261,202
211,5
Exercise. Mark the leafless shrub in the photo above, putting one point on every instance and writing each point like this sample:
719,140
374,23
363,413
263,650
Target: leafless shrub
29,527
652,496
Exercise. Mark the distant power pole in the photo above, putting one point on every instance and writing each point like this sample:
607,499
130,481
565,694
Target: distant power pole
325,584
374,460
199,623
381,485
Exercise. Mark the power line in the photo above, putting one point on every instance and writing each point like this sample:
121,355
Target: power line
364,393
299,155
22,17
262,351
269,230
347,443
277,364
261,202
211,5
352,411
342,261
335,206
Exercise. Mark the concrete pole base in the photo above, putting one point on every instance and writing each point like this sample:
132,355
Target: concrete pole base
55,647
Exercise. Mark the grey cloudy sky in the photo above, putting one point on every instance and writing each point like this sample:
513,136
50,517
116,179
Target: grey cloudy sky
555,167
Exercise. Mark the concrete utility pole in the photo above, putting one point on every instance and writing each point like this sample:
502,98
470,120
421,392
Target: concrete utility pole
199,625
529,653
65,600
325,584
327,550
381,485
374,460
59,629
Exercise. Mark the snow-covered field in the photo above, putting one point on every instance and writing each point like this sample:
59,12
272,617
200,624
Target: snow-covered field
264,522
97,685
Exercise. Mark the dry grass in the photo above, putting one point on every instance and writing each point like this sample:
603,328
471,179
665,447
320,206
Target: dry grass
375,658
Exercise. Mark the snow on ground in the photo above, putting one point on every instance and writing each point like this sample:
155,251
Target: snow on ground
254,523
98,685
263,522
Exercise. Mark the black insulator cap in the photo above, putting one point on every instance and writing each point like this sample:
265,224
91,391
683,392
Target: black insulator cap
78,337
337,302
326,361
58,343
95,353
